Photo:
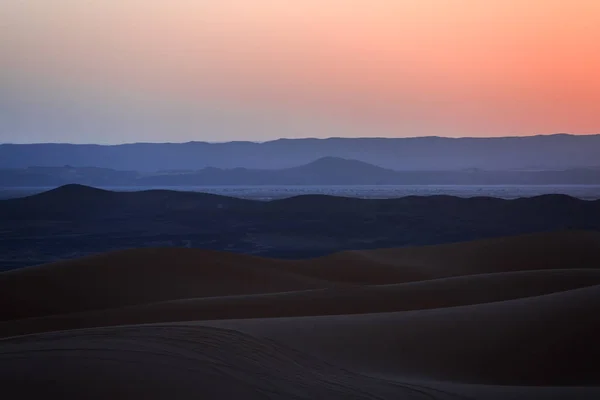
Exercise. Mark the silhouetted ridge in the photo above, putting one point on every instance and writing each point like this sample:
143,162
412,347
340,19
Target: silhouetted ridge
74,190
325,163
549,152
76,201
74,221
327,170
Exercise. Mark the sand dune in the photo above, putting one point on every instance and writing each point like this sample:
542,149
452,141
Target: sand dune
542,340
553,250
177,362
437,293
139,276
144,276
509,318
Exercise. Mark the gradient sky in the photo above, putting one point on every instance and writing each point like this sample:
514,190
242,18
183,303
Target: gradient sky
112,71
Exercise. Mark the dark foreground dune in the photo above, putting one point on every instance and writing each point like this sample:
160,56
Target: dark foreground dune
509,318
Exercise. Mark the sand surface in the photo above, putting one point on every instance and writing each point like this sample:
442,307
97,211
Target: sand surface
508,318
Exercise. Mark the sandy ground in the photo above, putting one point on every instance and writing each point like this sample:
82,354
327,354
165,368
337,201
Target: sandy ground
509,318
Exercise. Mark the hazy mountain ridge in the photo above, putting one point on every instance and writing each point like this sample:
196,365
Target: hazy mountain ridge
548,152
324,171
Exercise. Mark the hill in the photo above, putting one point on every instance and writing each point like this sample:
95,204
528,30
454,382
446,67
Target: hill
80,201
76,220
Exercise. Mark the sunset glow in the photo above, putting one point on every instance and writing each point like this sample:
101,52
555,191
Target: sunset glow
179,70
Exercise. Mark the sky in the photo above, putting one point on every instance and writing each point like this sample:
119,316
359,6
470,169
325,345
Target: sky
114,71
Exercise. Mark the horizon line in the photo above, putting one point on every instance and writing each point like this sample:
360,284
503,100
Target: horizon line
302,138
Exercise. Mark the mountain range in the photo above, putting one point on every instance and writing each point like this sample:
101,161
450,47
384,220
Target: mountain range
324,171
546,152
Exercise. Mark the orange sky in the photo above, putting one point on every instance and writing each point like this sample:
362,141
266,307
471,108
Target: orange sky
298,68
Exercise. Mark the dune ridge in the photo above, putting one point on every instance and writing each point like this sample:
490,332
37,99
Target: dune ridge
552,250
140,276
513,317
436,293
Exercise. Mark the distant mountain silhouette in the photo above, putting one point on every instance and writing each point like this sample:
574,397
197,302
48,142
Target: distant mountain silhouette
324,171
333,163
549,152
334,170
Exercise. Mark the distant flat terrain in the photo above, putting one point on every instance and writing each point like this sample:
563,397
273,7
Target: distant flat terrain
585,192
504,318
